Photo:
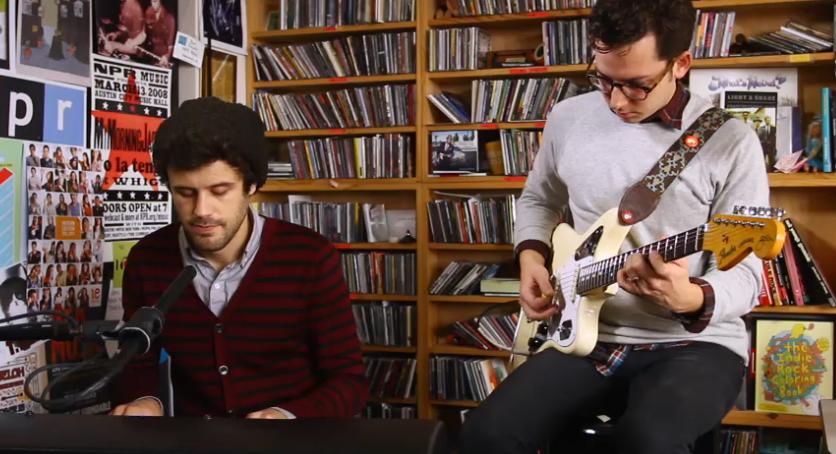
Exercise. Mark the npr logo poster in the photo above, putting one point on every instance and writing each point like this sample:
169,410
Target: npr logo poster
42,112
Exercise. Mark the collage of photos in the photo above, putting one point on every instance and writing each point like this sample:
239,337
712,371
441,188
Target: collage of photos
65,228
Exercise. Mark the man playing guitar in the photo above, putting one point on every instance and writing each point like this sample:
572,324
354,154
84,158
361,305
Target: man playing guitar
671,343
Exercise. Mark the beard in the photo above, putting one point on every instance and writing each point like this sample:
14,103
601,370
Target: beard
220,238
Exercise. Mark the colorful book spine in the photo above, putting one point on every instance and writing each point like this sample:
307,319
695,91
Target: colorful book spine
826,133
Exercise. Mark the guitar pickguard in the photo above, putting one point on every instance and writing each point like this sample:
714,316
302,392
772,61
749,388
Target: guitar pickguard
562,327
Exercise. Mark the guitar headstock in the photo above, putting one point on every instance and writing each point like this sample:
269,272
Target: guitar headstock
749,229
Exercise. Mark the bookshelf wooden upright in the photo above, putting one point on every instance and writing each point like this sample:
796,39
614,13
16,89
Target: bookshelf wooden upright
808,198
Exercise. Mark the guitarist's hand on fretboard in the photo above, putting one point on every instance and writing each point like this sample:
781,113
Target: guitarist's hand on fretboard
665,283
536,291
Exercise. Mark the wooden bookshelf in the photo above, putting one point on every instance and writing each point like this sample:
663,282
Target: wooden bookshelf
442,349
808,198
470,247
339,184
474,299
380,297
394,400
333,81
376,246
815,309
773,420
368,348
455,403
291,134
760,61
507,72
315,33
443,183
802,180
509,19
738,4
486,126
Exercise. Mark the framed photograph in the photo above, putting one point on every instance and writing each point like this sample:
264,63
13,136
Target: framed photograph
4,34
53,40
141,31
455,152
793,364
223,22
222,75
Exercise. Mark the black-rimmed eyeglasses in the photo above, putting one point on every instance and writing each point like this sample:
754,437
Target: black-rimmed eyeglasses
631,91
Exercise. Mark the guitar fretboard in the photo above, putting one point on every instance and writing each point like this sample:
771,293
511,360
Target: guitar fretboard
603,273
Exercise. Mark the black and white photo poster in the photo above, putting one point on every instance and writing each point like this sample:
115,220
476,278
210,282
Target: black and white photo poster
224,23
142,31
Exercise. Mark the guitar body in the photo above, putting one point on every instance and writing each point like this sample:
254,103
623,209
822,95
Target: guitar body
574,329
584,269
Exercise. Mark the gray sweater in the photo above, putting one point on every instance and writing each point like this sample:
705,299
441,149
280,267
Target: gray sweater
587,160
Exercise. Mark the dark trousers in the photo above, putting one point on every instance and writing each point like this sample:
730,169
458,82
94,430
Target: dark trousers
670,396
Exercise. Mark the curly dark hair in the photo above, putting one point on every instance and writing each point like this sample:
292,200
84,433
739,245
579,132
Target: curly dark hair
616,23
205,130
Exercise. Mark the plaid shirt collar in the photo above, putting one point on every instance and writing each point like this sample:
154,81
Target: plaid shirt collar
671,114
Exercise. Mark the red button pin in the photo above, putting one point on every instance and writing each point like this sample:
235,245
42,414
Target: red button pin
692,141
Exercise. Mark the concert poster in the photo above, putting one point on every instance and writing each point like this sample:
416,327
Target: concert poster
130,101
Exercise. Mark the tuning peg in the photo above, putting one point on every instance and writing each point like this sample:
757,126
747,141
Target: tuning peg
761,212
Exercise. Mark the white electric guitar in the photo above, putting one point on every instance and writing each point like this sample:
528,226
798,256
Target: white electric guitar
584,271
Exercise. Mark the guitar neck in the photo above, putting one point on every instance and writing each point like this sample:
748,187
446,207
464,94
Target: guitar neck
603,273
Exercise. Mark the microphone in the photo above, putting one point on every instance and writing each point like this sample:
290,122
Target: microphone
146,324
135,338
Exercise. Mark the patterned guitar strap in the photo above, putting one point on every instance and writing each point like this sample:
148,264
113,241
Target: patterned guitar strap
642,198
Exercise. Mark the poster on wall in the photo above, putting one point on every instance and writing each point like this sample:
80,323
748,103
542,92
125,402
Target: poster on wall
35,110
11,194
141,31
4,34
223,22
53,40
65,230
130,101
13,372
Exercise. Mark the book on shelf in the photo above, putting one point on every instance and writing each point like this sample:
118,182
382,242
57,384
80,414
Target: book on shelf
452,107
462,378
759,110
377,230
292,14
795,38
488,331
386,410
349,56
827,128
458,49
505,286
714,83
473,219
455,152
794,365
713,32
385,323
566,42
813,280
462,277
488,7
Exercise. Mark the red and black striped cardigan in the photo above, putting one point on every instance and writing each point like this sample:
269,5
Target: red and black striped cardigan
287,338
